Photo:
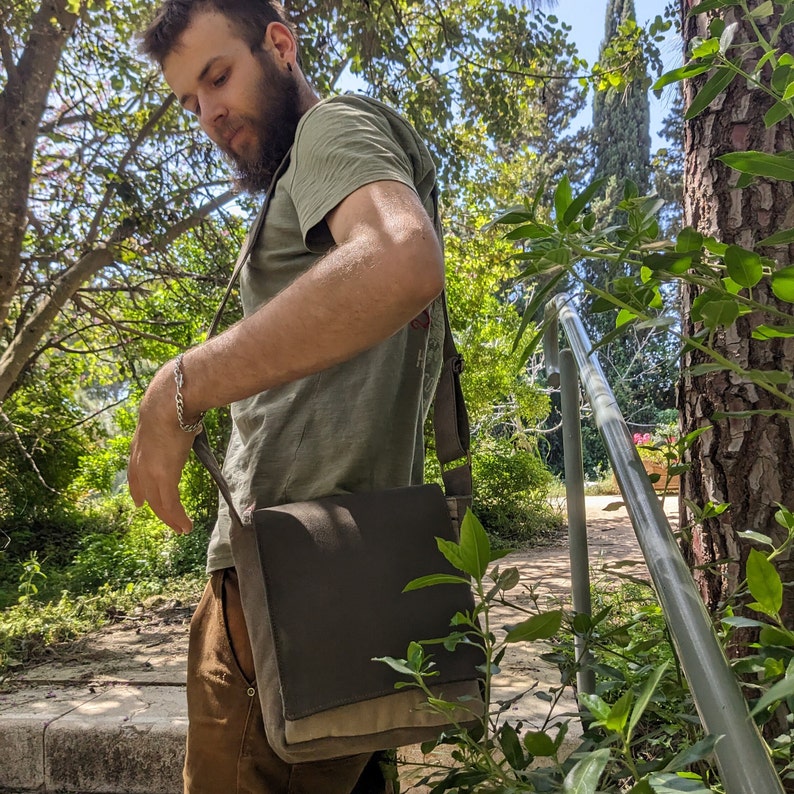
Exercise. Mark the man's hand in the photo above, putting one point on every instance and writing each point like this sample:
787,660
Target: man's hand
159,451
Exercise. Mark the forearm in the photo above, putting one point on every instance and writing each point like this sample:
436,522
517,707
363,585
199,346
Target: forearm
354,297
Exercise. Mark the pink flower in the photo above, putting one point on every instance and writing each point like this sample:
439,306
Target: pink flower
641,438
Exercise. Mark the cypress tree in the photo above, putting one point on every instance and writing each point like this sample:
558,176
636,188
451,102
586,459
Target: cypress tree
621,140
621,121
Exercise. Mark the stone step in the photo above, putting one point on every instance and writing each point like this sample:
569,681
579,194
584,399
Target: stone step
123,739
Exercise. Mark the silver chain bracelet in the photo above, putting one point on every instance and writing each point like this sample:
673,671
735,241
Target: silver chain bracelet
179,379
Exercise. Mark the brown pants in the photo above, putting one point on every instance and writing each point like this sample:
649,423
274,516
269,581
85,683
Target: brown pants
227,750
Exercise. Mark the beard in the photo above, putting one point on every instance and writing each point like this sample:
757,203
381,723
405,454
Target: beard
275,120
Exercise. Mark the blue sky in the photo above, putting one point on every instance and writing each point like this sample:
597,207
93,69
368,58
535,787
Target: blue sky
586,18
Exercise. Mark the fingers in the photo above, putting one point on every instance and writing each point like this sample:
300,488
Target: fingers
157,482
164,503
169,509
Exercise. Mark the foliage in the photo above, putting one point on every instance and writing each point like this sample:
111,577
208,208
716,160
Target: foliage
741,294
30,625
511,484
726,274
621,136
642,729
640,365
508,68
768,671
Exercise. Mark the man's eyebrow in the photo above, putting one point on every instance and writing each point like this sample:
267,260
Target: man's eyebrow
202,75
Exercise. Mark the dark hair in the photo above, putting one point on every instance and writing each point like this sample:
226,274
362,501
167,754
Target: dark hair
250,19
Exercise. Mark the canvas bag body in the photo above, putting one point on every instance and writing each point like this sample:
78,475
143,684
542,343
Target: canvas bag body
311,717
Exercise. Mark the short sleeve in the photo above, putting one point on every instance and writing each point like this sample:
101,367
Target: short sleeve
339,147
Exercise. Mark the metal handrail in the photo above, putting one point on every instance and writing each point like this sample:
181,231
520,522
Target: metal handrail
742,757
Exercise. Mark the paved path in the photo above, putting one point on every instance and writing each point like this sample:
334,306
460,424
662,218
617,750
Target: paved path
107,713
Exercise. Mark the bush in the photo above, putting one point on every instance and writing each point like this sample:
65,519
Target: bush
511,485
145,551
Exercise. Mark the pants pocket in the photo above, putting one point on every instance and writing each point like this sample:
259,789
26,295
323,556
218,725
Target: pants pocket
235,627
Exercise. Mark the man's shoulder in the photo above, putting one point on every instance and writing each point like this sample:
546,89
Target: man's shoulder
342,104
346,116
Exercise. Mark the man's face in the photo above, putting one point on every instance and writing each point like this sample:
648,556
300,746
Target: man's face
247,104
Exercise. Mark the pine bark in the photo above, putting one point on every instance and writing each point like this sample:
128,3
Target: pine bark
748,463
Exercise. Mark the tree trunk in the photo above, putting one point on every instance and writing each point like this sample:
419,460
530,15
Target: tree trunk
748,463
22,104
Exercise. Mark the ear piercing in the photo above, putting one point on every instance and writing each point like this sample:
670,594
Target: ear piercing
289,67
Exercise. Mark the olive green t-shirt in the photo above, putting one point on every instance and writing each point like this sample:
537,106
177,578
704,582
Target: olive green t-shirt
357,426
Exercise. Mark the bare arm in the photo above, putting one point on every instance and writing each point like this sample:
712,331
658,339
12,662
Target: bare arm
387,267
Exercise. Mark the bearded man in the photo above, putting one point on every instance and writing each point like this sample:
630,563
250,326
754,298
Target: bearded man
328,378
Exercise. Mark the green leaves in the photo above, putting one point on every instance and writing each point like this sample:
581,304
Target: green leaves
583,778
783,284
779,238
433,579
691,755
619,713
538,627
714,86
682,73
764,583
414,665
540,744
666,783
711,5
744,267
563,197
774,166
773,332
776,114
581,201
645,698
714,311
779,691
766,9
473,554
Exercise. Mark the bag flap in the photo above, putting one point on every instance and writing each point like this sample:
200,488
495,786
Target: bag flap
334,571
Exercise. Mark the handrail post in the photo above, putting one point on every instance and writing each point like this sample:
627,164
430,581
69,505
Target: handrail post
551,346
575,506
743,760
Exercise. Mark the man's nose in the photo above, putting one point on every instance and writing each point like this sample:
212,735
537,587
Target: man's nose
213,113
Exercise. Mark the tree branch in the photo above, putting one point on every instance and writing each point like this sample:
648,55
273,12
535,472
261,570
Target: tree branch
189,222
30,333
7,53
22,106
25,454
112,187
120,325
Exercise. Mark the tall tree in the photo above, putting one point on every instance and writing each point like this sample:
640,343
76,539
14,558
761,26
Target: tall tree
640,365
621,120
747,461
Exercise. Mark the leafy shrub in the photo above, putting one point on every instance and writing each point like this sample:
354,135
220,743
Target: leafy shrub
145,551
510,489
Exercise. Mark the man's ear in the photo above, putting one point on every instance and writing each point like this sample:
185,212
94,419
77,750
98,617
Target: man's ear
280,43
